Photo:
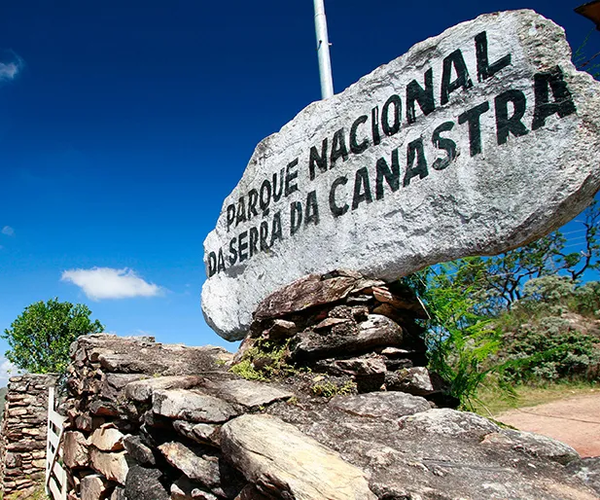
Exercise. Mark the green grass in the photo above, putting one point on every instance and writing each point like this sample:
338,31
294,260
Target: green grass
492,402
329,389
38,494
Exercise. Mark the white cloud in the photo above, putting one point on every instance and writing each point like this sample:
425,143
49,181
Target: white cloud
10,65
107,283
7,370
8,231
8,71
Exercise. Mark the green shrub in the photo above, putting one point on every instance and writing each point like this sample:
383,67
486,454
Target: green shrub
552,350
329,389
264,360
461,342
40,337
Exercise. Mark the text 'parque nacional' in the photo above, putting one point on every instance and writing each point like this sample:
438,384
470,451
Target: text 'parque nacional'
468,144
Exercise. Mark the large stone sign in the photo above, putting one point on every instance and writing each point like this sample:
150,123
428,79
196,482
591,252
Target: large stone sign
474,142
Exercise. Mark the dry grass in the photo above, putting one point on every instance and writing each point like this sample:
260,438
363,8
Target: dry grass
492,402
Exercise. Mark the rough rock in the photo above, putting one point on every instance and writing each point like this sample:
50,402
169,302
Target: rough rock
201,433
367,372
75,449
137,450
376,331
184,489
107,438
144,484
306,292
396,301
281,329
381,405
113,466
143,356
118,494
194,464
142,390
93,487
588,470
542,446
392,444
192,406
247,393
279,458
414,380
470,196
88,423
449,423
436,454
250,492
113,383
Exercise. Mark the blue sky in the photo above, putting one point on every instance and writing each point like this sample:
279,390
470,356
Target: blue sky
124,124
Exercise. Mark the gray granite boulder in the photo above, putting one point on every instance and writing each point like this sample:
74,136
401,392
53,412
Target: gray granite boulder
474,142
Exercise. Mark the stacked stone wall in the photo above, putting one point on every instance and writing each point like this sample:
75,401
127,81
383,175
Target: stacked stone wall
23,434
148,421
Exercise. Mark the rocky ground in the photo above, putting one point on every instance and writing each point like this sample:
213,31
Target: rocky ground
213,436
342,409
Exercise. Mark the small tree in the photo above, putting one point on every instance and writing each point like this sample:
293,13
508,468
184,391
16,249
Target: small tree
496,283
40,337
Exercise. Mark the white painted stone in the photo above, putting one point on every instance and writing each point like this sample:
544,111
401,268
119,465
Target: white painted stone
481,204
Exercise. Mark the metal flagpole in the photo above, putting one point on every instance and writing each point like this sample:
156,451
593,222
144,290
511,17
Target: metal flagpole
323,50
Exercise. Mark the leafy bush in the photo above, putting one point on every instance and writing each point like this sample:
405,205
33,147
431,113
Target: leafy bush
587,299
552,350
460,341
537,339
539,332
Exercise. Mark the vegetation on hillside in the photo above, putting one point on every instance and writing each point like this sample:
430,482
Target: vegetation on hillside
525,316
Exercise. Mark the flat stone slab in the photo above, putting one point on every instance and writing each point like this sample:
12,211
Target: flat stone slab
201,433
92,487
381,405
376,331
141,390
249,394
139,356
282,459
474,142
192,464
75,450
449,423
308,291
114,466
439,453
191,406
107,438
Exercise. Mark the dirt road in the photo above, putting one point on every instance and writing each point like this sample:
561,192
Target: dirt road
575,421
